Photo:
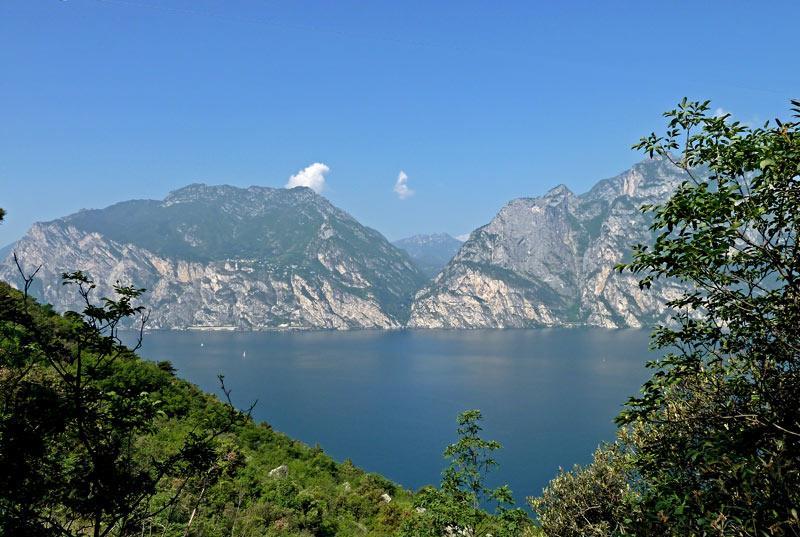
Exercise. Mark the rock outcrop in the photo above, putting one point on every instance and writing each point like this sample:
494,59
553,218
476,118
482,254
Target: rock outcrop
280,471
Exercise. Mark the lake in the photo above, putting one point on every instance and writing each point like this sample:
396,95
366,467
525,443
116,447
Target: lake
388,400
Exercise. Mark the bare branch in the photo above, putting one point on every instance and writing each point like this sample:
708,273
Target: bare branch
27,279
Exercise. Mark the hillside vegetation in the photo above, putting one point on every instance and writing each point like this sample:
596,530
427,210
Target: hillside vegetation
96,441
167,449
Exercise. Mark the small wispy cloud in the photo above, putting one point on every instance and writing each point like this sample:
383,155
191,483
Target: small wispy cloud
312,176
463,237
401,186
719,112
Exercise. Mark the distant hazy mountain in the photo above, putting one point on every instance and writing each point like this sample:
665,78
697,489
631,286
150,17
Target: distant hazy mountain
220,256
6,250
549,261
430,252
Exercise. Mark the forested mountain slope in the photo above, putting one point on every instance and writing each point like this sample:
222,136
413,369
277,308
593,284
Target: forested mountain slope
248,480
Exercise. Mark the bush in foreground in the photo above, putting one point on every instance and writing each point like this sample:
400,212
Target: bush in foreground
712,443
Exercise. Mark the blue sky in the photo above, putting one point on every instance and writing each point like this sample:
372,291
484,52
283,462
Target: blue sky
476,102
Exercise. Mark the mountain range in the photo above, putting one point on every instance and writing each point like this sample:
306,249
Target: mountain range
222,257
430,252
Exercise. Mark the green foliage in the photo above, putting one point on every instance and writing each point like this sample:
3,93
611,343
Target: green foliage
712,445
717,428
470,461
68,428
142,451
455,508
592,501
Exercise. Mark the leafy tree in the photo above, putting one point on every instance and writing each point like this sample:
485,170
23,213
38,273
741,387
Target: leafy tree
712,444
455,508
597,500
470,461
71,426
717,427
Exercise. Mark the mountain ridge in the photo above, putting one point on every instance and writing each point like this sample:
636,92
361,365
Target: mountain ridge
549,260
211,256
430,252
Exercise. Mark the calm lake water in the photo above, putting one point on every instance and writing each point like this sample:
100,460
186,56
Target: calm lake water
388,400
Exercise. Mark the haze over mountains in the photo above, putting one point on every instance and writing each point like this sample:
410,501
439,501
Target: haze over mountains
430,252
6,250
263,258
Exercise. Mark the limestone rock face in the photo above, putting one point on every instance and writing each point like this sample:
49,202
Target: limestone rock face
549,261
220,257
280,471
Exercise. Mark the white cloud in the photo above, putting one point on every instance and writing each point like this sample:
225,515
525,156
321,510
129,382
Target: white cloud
463,237
719,112
401,186
312,176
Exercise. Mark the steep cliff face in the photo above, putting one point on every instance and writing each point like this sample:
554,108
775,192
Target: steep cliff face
430,252
226,257
549,261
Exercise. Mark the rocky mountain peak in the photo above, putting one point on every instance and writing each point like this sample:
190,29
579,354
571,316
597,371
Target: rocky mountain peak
219,256
427,238
560,191
550,260
650,179
223,256
196,192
